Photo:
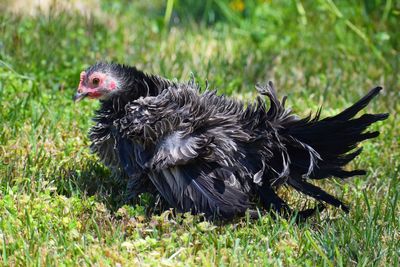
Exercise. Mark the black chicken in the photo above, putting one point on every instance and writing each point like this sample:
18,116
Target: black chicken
211,154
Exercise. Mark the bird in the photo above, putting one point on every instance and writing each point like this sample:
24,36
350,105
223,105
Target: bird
211,154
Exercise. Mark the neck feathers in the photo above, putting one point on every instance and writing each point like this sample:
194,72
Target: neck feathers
135,84
139,84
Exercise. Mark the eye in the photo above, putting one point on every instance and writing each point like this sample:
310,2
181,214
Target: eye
96,82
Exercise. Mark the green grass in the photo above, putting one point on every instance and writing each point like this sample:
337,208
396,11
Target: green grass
60,206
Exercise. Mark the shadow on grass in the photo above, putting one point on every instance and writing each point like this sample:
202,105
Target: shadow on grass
94,179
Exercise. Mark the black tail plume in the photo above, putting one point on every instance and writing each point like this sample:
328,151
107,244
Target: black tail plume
318,148
334,137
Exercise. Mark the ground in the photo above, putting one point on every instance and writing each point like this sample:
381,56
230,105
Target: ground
60,206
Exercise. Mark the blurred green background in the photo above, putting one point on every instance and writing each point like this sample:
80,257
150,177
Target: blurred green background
60,206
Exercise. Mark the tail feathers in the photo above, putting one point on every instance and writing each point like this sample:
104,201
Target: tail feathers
271,201
334,138
317,193
326,133
350,112
320,148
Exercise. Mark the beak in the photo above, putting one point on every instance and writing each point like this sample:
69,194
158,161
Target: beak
79,96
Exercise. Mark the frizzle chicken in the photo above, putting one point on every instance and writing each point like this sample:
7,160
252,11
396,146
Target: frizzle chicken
207,153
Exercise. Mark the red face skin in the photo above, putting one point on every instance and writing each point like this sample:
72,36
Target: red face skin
95,86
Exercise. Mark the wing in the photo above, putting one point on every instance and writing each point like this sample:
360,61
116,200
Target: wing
201,187
184,156
189,182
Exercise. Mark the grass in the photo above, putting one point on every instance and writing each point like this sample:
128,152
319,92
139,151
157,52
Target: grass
60,206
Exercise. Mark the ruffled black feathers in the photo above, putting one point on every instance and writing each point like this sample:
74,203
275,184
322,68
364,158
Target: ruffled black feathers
211,154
